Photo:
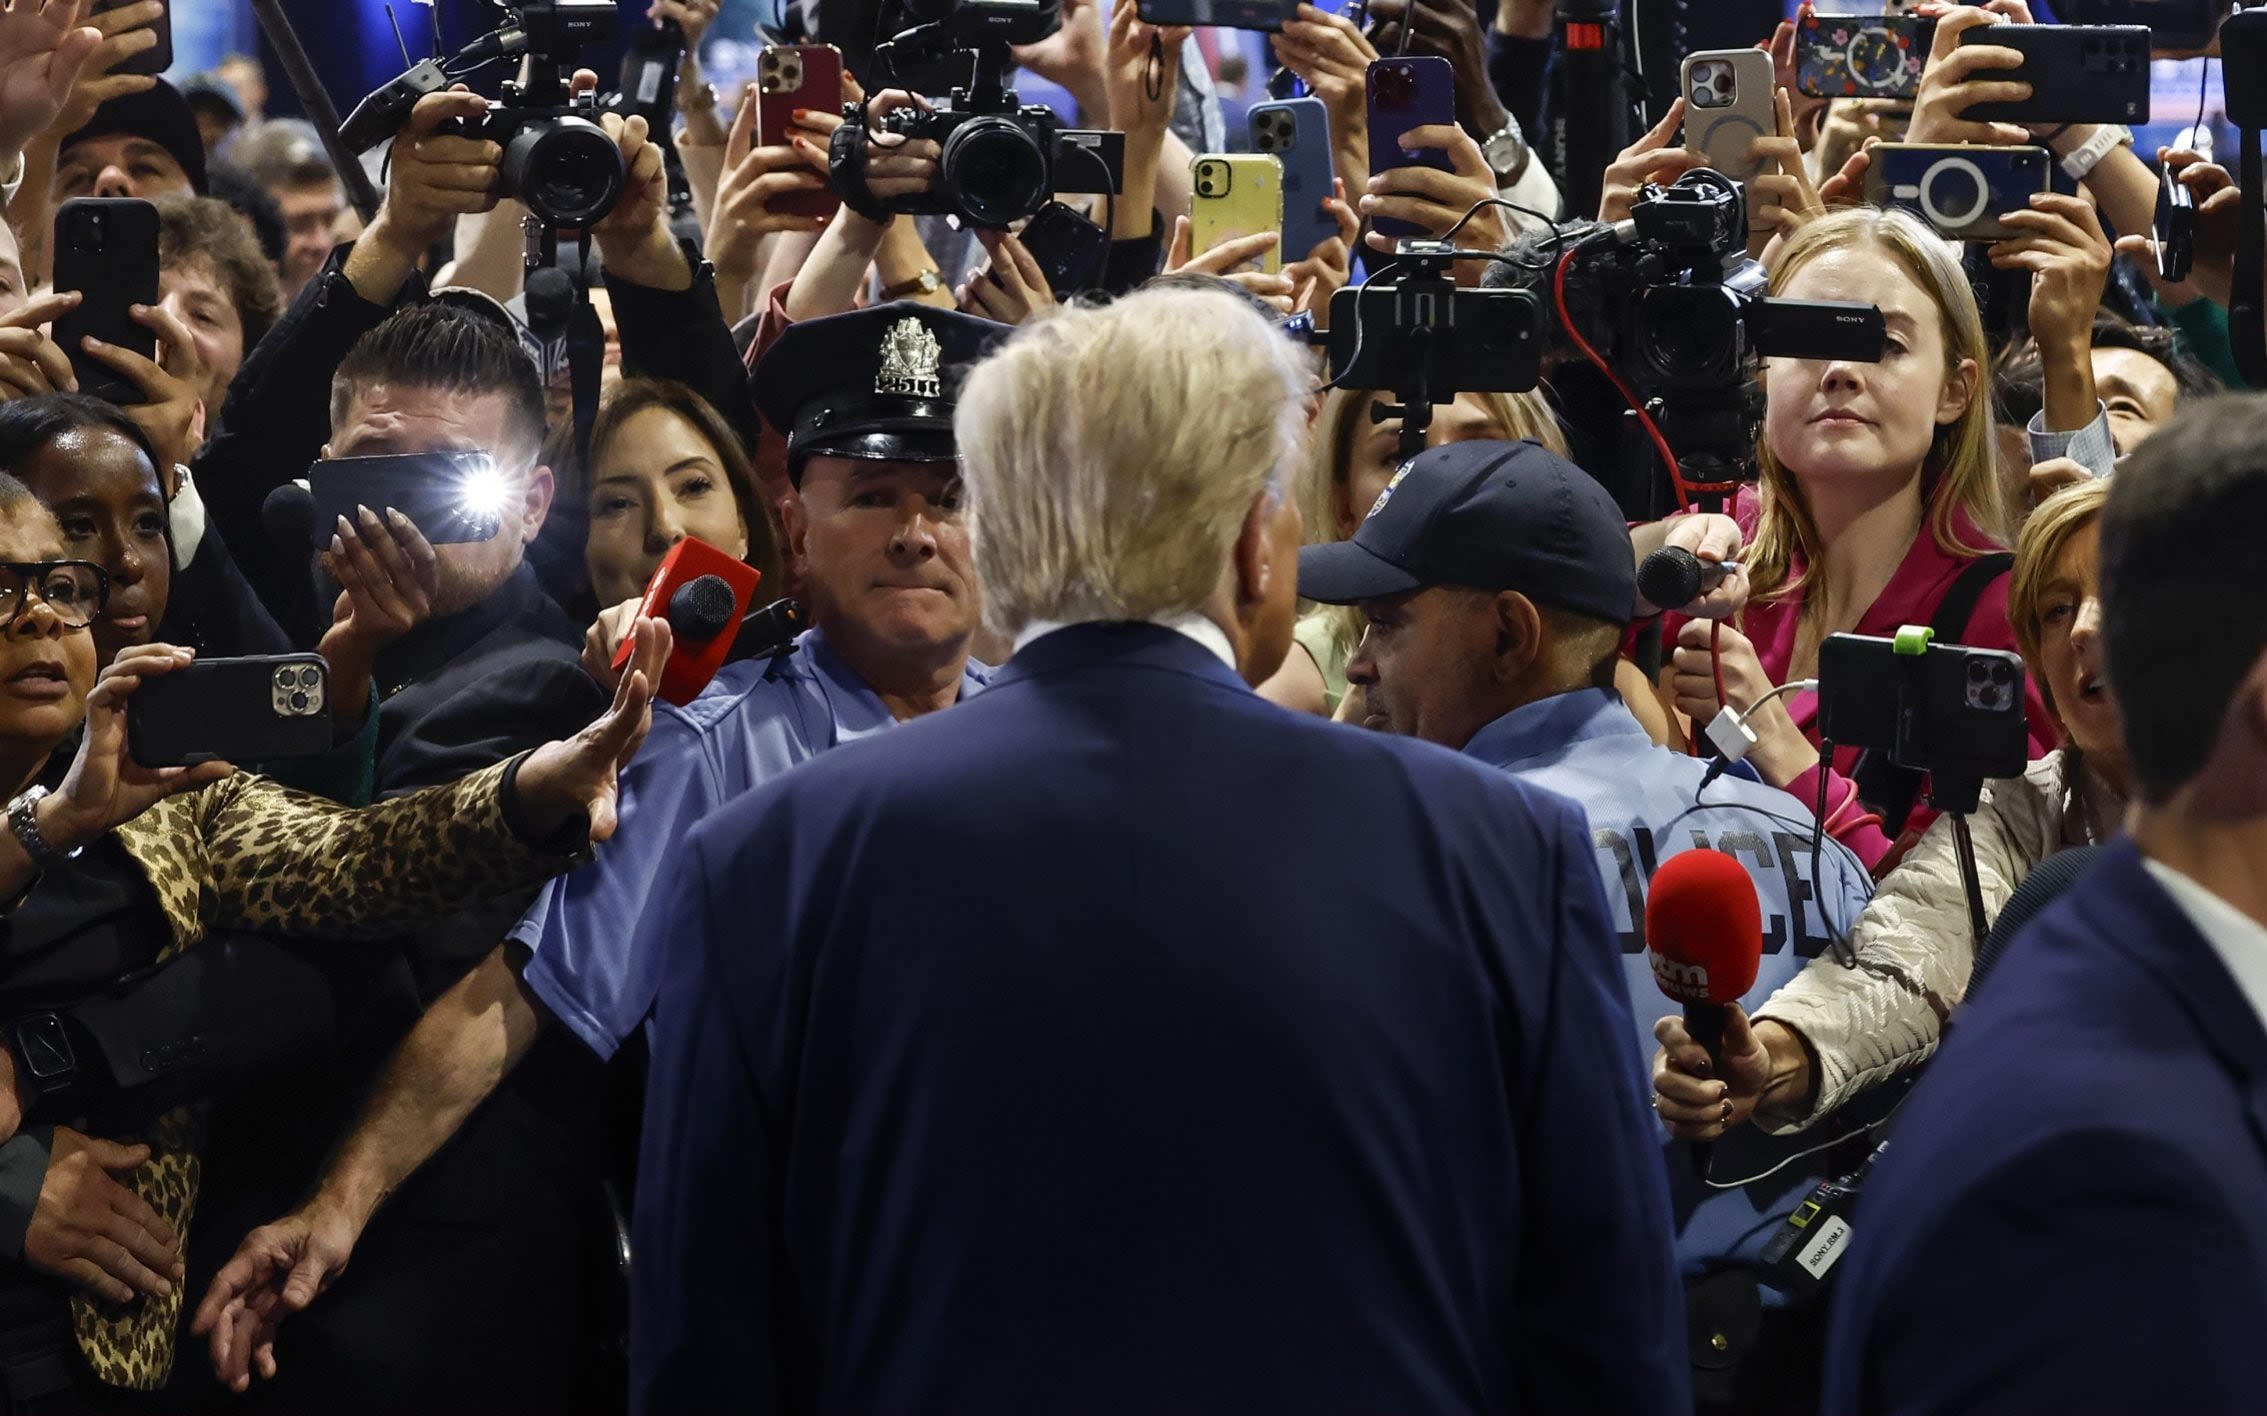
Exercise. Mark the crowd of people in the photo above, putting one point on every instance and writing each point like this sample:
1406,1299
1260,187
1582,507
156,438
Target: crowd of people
1166,924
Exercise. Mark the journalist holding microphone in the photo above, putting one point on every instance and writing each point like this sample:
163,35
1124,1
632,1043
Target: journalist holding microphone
1494,593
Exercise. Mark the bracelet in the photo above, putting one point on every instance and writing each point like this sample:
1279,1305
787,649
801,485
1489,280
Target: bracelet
2083,159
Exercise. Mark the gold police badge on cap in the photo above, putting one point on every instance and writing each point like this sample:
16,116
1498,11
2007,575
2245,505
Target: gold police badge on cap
910,356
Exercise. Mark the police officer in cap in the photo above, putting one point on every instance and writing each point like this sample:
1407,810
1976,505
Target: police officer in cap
1496,581
874,531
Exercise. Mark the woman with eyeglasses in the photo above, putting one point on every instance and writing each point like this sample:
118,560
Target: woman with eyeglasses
90,464
108,868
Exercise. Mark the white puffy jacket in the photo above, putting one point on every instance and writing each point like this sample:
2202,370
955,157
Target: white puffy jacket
1913,946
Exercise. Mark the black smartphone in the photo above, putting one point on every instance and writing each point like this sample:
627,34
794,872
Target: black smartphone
2175,227
2077,73
1946,709
1478,340
2172,24
1068,248
1219,14
1861,56
452,497
158,57
263,708
106,249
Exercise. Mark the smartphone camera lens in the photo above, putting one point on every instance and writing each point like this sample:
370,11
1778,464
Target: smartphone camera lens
283,678
298,702
307,677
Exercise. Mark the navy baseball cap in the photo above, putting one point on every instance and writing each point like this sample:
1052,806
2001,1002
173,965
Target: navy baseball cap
1485,516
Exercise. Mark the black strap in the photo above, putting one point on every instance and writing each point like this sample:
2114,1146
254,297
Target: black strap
1887,789
586,359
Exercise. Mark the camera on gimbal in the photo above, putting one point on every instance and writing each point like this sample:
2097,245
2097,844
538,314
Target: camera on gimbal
557,160
1000,160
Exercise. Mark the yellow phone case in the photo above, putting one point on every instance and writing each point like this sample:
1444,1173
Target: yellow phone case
1236,194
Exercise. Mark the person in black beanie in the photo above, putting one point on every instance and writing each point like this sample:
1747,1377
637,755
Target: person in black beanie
142,144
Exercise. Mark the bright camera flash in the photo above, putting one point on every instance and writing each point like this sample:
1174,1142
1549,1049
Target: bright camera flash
483,491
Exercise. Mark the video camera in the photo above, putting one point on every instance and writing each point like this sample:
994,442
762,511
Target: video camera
999,157
1669,299
557,160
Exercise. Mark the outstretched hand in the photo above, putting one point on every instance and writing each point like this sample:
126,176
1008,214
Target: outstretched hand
581,774
278,1270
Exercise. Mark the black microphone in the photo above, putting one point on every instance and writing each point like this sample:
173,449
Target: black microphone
288,515
1674,577
701,609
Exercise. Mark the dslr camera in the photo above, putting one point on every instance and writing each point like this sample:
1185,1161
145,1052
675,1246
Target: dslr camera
1001,160
557,160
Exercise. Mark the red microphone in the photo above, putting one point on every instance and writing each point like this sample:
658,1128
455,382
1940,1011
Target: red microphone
1704,938
703,593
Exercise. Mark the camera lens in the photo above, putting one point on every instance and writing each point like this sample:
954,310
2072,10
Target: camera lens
298,702
995,170
565,168
308,677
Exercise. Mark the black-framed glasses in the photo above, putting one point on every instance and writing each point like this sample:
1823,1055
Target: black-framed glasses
75,590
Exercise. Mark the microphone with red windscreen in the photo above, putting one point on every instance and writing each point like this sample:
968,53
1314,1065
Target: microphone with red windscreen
1704,939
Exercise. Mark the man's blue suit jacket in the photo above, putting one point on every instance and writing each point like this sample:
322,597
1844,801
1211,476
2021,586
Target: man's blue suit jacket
2072,1213
1118,1042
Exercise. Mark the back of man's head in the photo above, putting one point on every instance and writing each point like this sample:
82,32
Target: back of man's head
2184,621
451,348
1112,454
283,152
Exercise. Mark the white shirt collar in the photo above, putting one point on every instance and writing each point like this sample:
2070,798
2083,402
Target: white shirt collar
1194,626
2236,937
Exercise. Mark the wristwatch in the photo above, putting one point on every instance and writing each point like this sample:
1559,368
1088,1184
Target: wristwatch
2083,159
1507,152
25,823
926,283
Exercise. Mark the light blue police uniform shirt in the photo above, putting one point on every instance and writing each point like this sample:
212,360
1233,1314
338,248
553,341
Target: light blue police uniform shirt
1640,799
756,719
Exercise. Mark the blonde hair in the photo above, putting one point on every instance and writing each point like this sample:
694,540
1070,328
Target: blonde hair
1345,412
1112,453
1958,476
2046,534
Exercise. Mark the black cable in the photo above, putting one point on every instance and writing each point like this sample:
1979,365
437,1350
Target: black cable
2203,88
1153,70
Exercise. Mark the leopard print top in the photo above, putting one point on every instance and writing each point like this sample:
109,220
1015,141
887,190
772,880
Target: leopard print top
249,853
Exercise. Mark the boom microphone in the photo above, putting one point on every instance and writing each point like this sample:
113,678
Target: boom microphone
1674,577
1704,939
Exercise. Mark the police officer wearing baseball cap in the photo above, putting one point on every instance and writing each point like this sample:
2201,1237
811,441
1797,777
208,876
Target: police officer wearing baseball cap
1496,580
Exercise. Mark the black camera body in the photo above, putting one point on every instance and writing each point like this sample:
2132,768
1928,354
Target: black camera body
557,160
1000,160
993,168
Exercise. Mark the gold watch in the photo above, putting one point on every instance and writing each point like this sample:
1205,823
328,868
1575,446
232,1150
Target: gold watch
928,282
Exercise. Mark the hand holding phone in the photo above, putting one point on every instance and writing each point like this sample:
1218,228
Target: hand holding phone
1234,195
150,61
1729,103
2175,227
1861,56
450,497
1417,91
106,250
792,78
1961,190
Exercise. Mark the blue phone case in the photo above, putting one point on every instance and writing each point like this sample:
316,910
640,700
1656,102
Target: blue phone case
1297,131
1404,93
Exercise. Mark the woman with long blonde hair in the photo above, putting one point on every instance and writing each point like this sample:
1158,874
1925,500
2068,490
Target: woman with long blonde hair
1877,507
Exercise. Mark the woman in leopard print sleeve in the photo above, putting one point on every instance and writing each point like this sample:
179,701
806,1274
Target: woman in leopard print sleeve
107,867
